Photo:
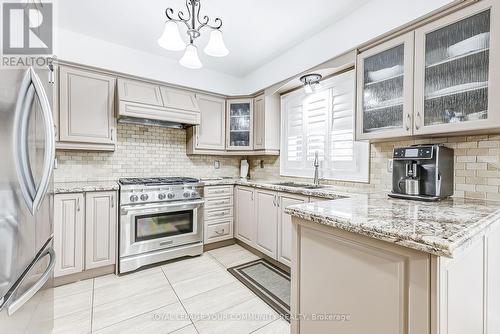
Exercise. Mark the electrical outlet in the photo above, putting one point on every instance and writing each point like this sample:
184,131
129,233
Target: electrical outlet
217,164
389,165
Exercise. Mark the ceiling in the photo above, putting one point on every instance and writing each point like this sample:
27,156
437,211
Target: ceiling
255,31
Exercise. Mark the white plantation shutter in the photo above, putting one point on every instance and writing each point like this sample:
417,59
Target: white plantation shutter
323,122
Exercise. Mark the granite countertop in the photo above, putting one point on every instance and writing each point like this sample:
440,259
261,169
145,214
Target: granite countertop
85,186
439,228
328,192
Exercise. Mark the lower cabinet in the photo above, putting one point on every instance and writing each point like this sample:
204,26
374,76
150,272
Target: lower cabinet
245,230
285,226
262,223
266,222
84,231
218,213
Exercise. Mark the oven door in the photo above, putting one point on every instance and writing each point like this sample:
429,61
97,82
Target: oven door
149,227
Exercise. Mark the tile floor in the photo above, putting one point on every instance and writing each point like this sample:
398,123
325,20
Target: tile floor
157,300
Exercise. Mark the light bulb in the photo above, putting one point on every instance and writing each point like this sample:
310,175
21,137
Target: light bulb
190,58
171,38
216,46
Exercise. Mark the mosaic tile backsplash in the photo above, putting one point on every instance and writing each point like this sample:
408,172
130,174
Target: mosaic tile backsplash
154,151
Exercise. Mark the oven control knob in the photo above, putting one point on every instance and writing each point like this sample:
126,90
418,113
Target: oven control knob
194,194
162,196
134,198
170,195
186,194
144,197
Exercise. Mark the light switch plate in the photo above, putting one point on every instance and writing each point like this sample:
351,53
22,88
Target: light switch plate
217,164
389,165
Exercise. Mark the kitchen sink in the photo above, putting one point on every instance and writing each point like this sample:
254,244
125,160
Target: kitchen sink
298,185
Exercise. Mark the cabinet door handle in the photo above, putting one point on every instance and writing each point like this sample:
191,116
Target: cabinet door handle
78,204
278,201
274,200
111,134
112,201
418,120
408,122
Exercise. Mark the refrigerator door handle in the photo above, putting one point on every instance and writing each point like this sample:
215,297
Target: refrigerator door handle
21,158
50,153
19,302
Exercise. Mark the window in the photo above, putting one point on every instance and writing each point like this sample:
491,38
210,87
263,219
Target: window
323,122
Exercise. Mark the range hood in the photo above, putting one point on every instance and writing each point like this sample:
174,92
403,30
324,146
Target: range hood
150,104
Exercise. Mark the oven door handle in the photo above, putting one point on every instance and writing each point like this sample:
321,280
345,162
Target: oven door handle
191,205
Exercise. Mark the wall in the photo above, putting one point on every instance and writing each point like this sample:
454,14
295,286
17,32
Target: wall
477,165
141,151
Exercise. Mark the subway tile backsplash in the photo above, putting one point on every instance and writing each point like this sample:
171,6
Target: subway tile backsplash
142,151
154,151
477,165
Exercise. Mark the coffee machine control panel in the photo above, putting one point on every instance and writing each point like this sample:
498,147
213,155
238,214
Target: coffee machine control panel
413,153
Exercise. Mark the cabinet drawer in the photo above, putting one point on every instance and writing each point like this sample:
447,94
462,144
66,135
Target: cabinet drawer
218,191
218,202
221,231
219,213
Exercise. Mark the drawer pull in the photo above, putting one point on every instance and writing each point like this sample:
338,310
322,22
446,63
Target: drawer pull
221,202
218,191
220,232
219,214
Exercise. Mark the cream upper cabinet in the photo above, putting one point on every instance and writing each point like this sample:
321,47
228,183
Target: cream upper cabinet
139,91
69,235
100,229
239,124
266,123
266,222
285,226
457,71
385,89
259,122
86,108
211,133
244,209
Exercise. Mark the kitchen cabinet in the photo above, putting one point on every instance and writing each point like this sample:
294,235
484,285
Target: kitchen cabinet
266,222
385,89
218,214
439,79
211,133
69,234
285,226
86,109
84,231
100,229
267,123
244,210
239,125
457,73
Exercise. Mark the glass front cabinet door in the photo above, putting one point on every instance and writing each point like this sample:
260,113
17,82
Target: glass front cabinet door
385,89
457,70
239,125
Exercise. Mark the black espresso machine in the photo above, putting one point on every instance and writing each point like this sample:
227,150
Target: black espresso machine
422,172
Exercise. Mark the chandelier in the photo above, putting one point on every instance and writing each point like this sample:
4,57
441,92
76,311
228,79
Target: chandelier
171,38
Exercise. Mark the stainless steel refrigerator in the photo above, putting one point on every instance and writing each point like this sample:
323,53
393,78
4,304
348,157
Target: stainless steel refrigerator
27,153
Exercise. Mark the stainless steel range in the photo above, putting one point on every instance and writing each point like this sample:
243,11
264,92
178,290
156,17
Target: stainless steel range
160,219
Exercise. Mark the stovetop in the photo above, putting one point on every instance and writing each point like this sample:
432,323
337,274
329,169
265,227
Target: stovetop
157,180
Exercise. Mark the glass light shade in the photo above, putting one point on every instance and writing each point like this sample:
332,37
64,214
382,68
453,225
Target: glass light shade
308,89
216,46
190,58
171,38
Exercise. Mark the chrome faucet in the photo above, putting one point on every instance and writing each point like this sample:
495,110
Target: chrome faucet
316,168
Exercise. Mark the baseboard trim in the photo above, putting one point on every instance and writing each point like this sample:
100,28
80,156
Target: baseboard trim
87,274
219,244
264,256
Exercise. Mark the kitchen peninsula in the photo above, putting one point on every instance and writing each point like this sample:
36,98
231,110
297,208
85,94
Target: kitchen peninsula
417,267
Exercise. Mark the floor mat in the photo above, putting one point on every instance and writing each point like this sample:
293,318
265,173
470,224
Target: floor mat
268,282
